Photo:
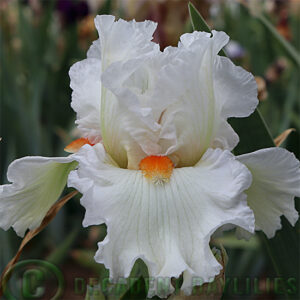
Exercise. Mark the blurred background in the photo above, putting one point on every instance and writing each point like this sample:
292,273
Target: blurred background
40,40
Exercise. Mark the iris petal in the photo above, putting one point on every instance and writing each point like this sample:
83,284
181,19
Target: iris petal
276,182
37,182
169,226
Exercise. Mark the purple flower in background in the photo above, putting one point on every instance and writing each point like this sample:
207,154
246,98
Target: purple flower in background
71,10
234,50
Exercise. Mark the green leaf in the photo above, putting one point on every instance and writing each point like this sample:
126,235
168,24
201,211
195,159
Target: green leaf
253,133
197,20
283,249
85,258
59,254
287,47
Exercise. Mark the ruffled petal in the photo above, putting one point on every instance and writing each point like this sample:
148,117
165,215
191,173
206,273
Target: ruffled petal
168,226
189,82
235,89
37,182
276,182
135,84
121,40
86,97
99,114
198,40
206,89
225,137
168,112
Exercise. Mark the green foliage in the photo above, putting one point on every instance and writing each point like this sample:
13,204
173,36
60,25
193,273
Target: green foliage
35,97
285,45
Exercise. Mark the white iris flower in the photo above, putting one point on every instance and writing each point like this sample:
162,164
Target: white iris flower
158,171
